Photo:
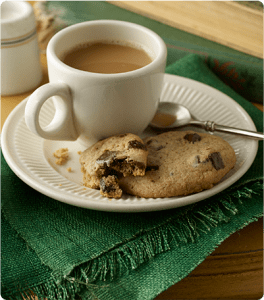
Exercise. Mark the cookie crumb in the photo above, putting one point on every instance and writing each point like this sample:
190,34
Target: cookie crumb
79,152
69,169
62,156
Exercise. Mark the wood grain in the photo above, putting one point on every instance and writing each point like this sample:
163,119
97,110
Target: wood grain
233,271
225,22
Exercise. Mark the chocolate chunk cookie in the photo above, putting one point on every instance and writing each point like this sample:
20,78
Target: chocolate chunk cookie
181,163
115,157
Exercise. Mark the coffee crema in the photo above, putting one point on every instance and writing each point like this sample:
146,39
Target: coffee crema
107,58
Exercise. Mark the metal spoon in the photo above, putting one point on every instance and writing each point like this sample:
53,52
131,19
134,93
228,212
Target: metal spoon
172,115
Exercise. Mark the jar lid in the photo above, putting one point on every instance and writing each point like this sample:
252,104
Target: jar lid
17,21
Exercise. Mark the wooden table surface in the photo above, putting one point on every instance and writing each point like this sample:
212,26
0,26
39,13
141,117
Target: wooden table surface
233,271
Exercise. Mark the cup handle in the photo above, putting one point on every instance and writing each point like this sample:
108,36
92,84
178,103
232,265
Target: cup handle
62,126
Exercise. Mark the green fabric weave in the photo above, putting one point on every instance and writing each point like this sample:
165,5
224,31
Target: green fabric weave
60,251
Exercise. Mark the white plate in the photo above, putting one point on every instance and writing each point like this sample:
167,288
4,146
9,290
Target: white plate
31,158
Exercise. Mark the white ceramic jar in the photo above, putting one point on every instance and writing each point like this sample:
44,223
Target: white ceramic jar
20,60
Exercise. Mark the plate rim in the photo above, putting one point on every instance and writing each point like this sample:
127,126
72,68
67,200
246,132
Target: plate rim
166,203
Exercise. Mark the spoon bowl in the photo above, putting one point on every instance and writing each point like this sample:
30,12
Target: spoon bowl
173,115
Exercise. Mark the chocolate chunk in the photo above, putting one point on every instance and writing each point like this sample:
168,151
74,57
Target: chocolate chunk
149,142
112,172
106,188
106,158
109,187
136,145
154,147
152,168
198,160
122,135
216,160
115,163
159,148
192,137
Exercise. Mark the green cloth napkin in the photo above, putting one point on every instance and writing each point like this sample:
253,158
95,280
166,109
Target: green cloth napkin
60,251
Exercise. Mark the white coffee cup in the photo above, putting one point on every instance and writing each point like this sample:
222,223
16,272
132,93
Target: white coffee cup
92,106
20,61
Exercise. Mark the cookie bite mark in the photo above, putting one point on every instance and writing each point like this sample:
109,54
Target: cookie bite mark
115,160
192,137
217,160
115,157
128,167
109,187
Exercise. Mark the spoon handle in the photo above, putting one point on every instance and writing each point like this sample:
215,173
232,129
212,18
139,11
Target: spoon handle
211,126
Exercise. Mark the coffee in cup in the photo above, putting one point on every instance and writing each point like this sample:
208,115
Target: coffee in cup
97,103
108,58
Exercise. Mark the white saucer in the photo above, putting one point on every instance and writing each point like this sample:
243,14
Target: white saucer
31,158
